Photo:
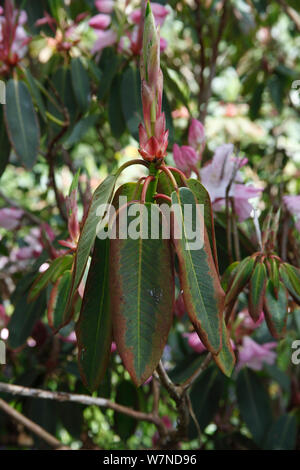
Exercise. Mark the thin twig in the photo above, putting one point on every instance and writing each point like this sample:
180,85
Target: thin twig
187,384
292,14
83,399
33,427
14,204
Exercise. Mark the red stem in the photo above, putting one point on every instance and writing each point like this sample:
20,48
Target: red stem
163,196
145,187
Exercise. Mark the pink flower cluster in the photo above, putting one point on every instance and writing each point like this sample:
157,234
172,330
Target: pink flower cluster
106,36
293,205
13,37
187,157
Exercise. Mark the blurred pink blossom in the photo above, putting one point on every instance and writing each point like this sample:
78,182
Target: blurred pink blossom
113,347
159,12
224,171
179,306
100,21
168,423
186,158
196,137
293,205
104,39
105,6
10,218
254,355
195,342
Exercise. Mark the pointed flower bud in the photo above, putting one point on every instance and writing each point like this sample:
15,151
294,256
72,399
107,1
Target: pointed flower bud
196,136
153,135
185,158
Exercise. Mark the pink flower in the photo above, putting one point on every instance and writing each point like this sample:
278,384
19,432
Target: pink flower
293,205
196,136
10,218
179,306
104,39
186,158
195,342
159,13
100,21
254,355
113,347
224,171
104,6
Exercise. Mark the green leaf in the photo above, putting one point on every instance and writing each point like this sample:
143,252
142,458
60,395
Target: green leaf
131,100
57,301
4,145
62,82
52,274
142,282
81,84
205,396
282,434
110,63
115,113
102,195
202,291
35,92
24,318
254,404
256,101
243,273
290,276
169,119
257,287
203,197
276,309
94,327
130,191
126,395
81,128
226,357
21,122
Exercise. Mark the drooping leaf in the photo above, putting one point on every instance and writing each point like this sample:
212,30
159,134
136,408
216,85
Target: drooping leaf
21,122
243,273
202,291
109,64
131,100
101,196
205,396
203,197
52,274
24,318
35,92
276,309
282,434
81,128
94,327
62,82
228,275
254,404
80,82
257,287
127,396
57,302
226,357
4,145
142,282
130,191
115,112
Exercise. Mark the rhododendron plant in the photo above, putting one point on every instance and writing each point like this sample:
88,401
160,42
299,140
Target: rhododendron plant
149,226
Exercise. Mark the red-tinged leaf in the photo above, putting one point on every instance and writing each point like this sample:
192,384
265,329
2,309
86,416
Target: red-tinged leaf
52,274
57,301
102,195
257,287
276,310
228,275
132,191
94,327
142,303
274,276
243,273
203,197
290,276
226,357
202,291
